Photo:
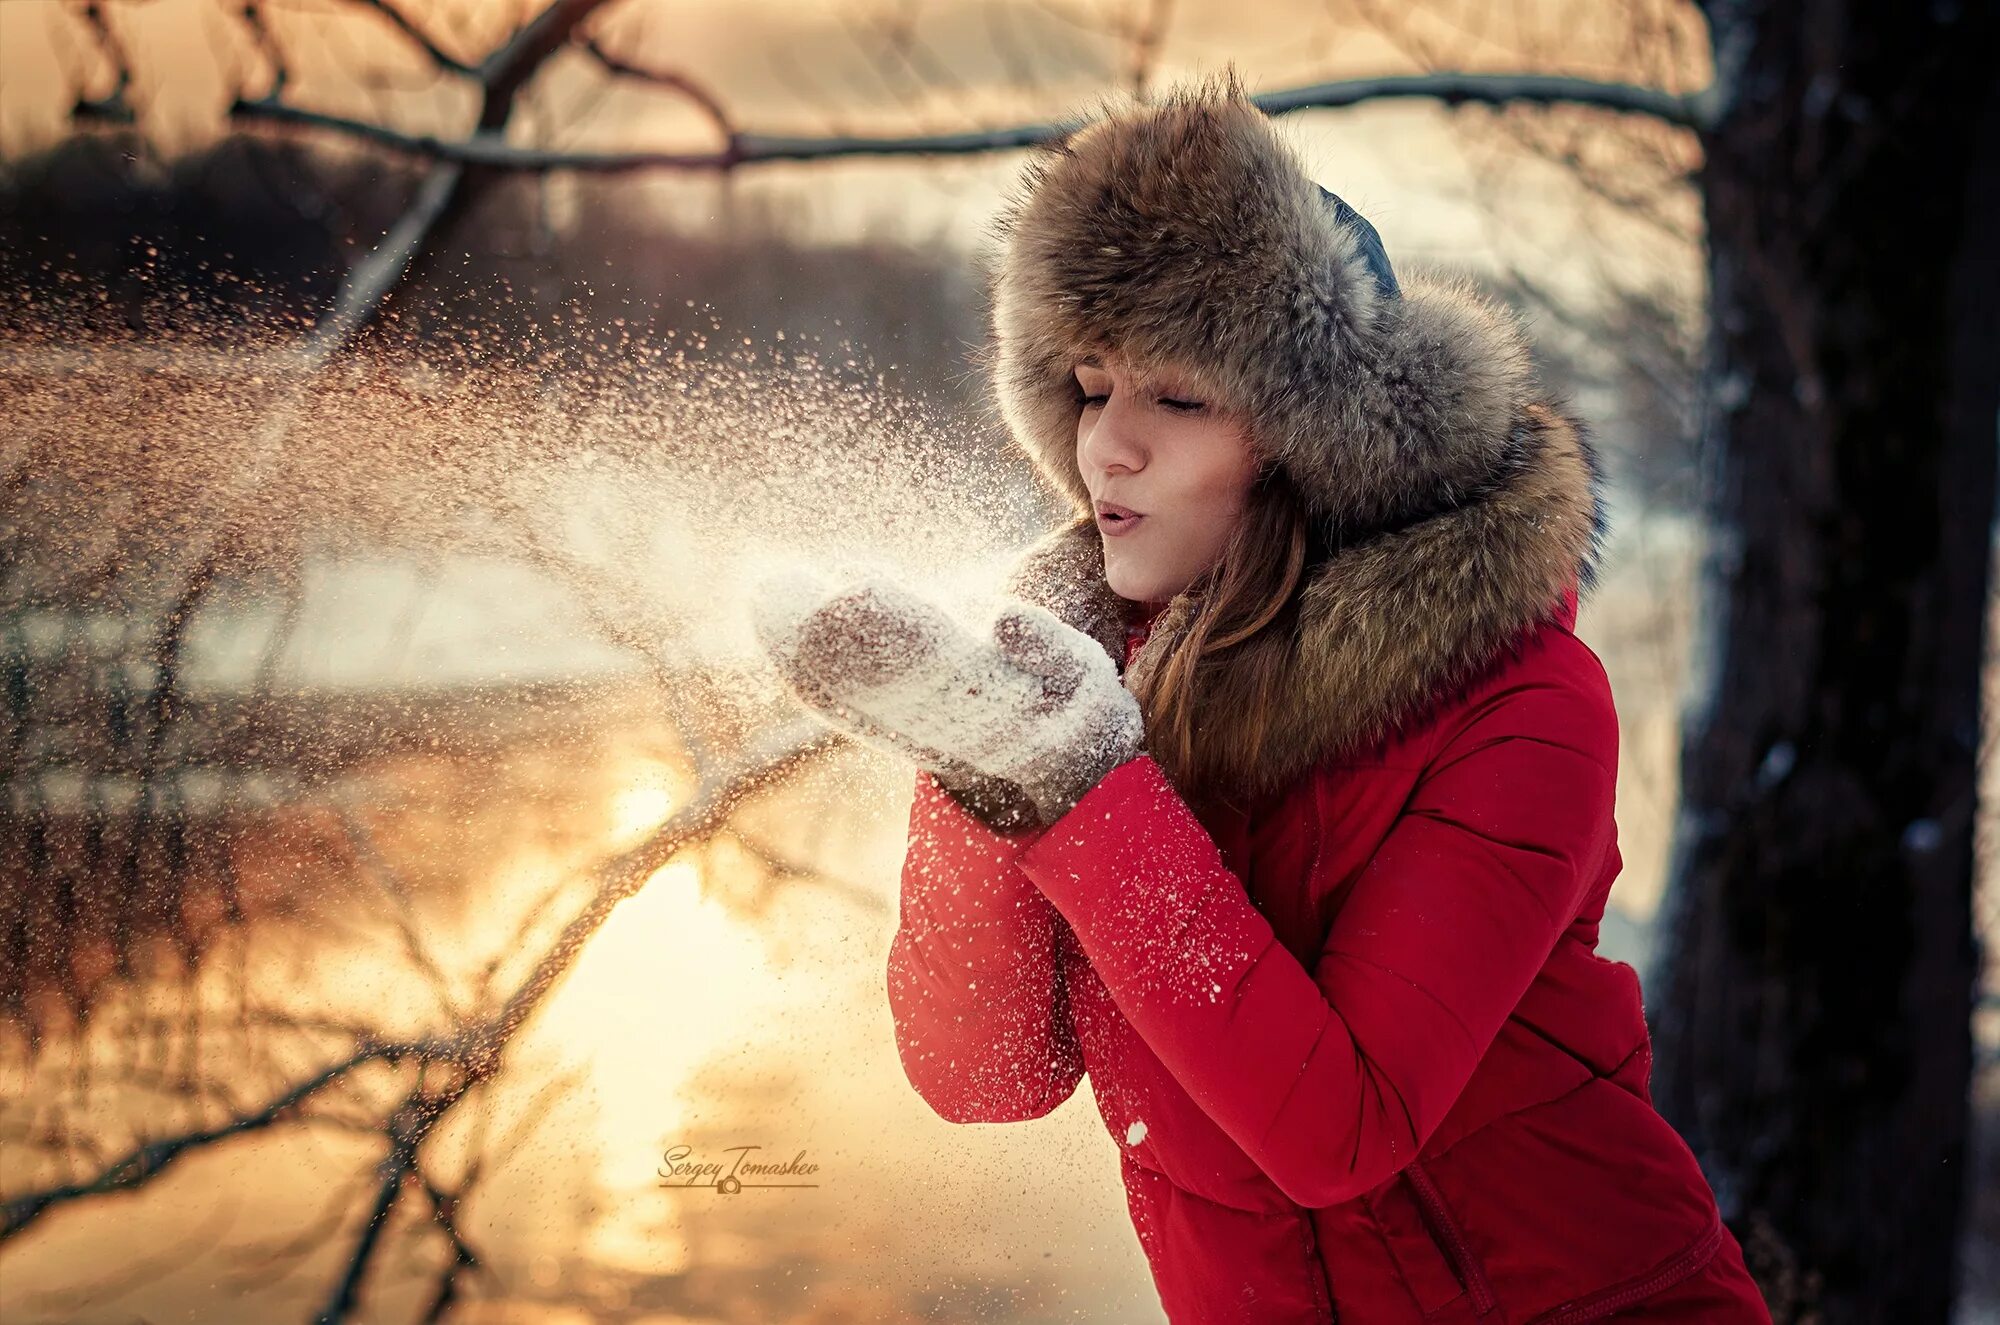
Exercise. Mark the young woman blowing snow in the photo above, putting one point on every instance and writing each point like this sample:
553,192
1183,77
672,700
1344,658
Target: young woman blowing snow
1281,801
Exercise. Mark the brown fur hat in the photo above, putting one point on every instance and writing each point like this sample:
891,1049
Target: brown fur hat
1460,497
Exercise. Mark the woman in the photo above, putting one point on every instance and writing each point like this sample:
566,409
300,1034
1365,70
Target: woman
1282,802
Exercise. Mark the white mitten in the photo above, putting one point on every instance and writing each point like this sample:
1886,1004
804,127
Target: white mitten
1038,705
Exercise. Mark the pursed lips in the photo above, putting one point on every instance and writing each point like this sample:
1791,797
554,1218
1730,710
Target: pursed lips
1114,518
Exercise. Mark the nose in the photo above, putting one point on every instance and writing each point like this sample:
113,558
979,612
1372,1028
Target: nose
1110,437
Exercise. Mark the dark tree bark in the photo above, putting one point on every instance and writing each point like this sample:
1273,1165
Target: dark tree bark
1813,1000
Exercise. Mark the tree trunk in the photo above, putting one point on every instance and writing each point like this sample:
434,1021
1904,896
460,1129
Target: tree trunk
1813,997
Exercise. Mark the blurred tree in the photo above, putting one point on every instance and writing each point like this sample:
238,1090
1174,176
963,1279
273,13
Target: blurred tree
1813,1004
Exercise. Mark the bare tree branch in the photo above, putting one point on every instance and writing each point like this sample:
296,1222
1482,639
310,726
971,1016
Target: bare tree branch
266,43
708,103
113,107
409,1126
464,1259
490,150
477,1051
153,1158
1454,89
442,58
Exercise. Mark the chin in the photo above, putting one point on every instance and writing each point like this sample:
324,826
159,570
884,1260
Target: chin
1136,586
1117,578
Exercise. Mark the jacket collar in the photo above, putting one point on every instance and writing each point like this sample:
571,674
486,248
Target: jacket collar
1388,625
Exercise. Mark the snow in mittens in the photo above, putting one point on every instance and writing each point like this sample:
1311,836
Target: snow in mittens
872,655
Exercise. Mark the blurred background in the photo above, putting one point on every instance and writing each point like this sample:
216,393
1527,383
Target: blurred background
402,846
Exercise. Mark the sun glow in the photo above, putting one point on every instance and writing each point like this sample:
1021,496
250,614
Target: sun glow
645,800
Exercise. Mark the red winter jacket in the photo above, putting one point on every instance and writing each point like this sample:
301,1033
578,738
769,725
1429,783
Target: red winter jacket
1360,1058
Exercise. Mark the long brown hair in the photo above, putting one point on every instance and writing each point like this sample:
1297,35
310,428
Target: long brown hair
1244,605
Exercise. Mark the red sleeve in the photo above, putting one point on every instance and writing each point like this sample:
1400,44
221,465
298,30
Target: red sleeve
975,987
1331,1078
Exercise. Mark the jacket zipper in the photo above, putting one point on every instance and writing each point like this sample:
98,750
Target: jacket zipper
1618,1297
1446,1230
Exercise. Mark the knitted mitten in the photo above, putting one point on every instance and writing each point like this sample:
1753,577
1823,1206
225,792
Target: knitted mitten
1038,705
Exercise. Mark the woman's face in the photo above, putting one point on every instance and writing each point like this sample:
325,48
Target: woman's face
1149,441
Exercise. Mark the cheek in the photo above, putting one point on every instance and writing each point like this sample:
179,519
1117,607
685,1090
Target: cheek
1202,513
1219,504
1224,485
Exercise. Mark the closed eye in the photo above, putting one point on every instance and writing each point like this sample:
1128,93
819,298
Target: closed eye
1178,406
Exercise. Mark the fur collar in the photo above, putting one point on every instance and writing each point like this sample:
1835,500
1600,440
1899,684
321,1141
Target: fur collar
1388,626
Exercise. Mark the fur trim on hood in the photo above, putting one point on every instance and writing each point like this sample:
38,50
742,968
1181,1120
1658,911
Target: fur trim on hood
1461,499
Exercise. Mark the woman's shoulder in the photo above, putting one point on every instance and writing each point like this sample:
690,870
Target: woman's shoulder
1547,685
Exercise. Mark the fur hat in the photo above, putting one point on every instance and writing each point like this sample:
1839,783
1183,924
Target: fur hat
1461,499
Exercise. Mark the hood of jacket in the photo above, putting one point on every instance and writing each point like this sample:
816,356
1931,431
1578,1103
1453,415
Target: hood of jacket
1461,499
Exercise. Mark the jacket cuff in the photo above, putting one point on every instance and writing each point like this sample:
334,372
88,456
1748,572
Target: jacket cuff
960,807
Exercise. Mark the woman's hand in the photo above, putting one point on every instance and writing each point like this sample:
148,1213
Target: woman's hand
1038,705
